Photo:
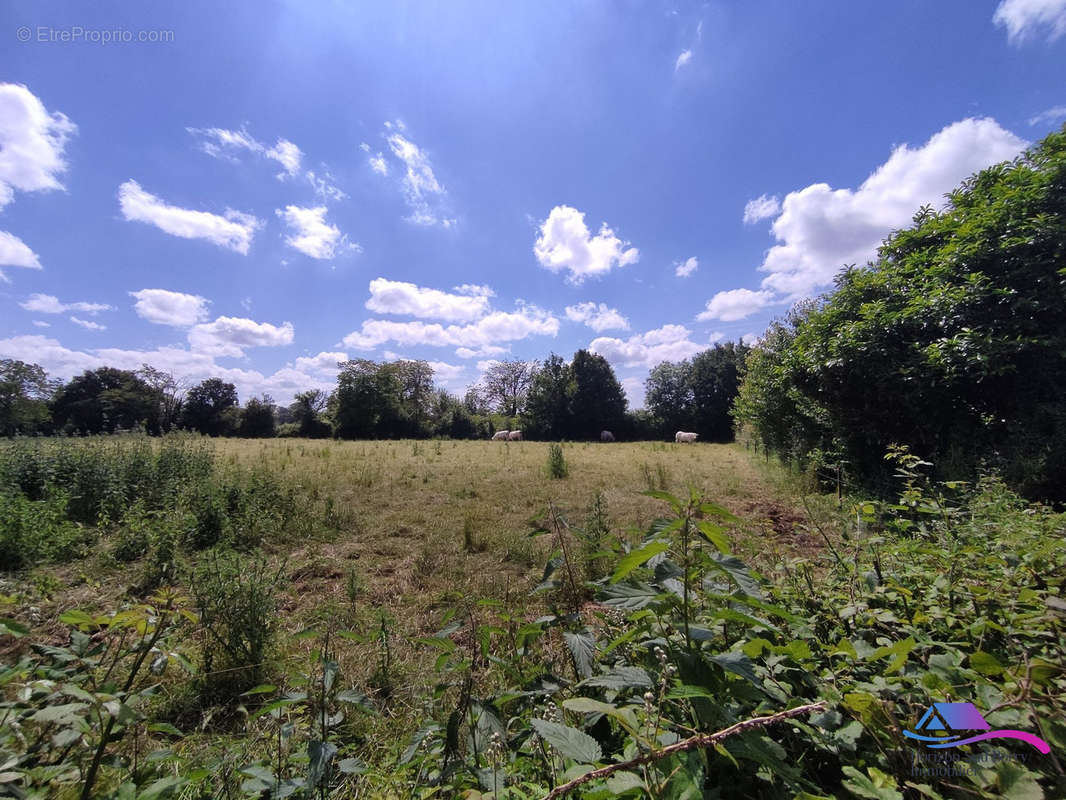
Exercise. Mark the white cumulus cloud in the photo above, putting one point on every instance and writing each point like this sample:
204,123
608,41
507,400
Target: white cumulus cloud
482,351
325,362
668,343
598,317
398,297
685,268
49,304
32,141
312,235
1026,18
230,336
164,307
736,304
760,208
233,231
498,326
565,243
683,58
820,229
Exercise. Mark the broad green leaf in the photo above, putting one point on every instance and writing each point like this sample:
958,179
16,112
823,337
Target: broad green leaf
636,558
263,688
630,596
583,649
985,663
875,786
165,727
164,787
569,742
320,755
620,678
715,534
738,664
13,627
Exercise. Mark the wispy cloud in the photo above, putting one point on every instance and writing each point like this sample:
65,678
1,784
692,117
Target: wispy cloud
233,231
1053,115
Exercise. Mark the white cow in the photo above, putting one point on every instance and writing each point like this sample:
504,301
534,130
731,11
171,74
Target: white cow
500,436
682,436
606,436
515,436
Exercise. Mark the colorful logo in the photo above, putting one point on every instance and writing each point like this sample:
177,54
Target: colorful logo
951,717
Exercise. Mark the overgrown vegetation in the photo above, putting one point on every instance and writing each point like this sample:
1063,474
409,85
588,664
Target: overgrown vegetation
641,655
135,496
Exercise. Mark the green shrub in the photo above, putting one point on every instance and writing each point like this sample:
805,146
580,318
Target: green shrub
237,600
35,531
556,461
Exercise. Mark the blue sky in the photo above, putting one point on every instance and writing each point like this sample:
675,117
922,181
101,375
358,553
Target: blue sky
256,190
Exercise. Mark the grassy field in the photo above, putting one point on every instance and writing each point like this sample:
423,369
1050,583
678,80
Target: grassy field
414,619
411,529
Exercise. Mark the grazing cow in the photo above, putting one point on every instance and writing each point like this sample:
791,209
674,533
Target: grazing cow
681,436
500,436
515,436
606,436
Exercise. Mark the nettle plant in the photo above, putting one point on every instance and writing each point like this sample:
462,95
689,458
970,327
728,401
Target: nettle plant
665,684
73,720
634,695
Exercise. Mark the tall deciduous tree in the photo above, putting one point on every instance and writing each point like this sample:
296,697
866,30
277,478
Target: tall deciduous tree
169,391
597,400
505,384
697,395
547,413
257,419
104,400
368,402
210,408
24,394
306,410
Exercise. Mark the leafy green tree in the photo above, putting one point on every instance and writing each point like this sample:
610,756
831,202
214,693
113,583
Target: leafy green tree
24,394
257,419
714,376
697,395
597,400
105,400
505,384
547,412
210,408
416,393
368,402
169,392
668,397
306,411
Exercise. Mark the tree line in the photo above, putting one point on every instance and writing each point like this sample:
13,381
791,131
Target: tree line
554,399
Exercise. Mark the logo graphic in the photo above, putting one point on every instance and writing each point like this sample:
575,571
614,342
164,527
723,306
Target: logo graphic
951,717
